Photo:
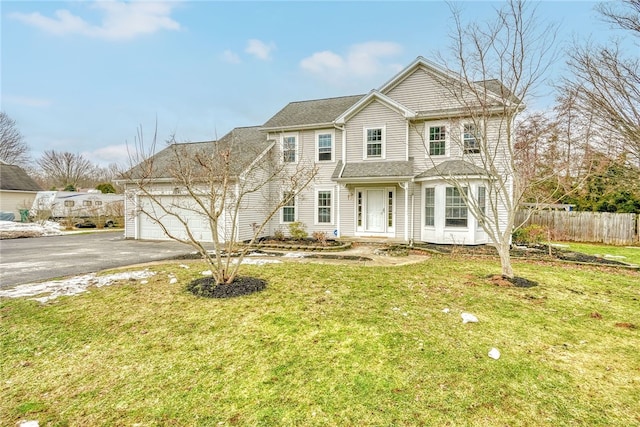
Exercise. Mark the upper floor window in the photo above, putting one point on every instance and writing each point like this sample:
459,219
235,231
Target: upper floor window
289,207
374,143
325,146
470,139
455,208
290,148
437,139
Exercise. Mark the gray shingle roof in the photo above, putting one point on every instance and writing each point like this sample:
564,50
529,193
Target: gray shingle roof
245,143
382,169
318,111
452,168
13,177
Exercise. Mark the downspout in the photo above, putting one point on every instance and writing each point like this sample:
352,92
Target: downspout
405,187
344,162
413,192
136,217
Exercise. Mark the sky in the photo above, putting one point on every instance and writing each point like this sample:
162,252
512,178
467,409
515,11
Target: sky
87,77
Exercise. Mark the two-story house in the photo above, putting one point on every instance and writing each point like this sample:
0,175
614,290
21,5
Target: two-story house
386,159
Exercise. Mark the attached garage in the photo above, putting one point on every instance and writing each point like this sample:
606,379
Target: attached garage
174,210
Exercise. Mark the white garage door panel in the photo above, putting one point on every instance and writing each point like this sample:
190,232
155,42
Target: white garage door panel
149,227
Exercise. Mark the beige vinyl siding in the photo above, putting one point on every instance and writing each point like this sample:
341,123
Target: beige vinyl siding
420,91
129,214
13,201
377,115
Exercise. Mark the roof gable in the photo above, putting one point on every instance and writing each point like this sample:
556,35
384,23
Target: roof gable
372,96
494,89
14,178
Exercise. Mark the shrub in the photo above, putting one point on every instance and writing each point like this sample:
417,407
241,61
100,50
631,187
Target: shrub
278,235
320,236
532,234
297,230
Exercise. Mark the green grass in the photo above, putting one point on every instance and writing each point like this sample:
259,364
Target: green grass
331,345
631,254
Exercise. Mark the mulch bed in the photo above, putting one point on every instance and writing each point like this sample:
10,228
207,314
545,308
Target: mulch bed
530,252
244,285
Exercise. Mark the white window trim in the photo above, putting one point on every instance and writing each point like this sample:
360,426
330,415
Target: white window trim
384,142
295,212
447,139
315,206
287,135
333,145
423,219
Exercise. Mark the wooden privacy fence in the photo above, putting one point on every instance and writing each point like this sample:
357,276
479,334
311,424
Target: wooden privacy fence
595,227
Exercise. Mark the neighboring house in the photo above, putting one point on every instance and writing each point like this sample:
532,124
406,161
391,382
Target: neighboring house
383,159
17,189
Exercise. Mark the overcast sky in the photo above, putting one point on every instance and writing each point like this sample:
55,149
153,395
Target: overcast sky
83,76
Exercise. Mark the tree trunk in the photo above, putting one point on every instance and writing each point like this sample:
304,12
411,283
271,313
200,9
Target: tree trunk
505,261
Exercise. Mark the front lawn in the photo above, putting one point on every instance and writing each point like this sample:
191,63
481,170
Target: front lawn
332,345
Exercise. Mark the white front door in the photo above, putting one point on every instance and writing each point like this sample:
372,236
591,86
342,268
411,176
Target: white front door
376,210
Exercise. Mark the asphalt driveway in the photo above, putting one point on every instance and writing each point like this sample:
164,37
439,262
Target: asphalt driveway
42,258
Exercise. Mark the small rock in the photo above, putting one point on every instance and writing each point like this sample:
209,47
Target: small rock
494,353
144,282
183,266
173,281
445,310
469,318
207,273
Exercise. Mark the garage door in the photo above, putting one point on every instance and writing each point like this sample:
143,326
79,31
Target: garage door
149,227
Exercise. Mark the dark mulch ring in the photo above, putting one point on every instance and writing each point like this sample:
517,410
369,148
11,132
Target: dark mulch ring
206,287
518,282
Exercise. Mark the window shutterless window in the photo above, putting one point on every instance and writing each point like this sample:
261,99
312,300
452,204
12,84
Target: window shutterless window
289,149
324,207
482,203
374,142
325,147
289,208
437,140
470,139
429,206
455,208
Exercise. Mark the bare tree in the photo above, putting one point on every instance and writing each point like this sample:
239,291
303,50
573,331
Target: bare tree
64,168
222,183
606,80
13,148
499,65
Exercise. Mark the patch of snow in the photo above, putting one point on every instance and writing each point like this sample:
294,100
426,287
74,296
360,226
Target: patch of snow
494,353
71,286
28,424
445,310
173,281
469,318
294,255
48,228
559,245
207,273
183,266
614,256
259,261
